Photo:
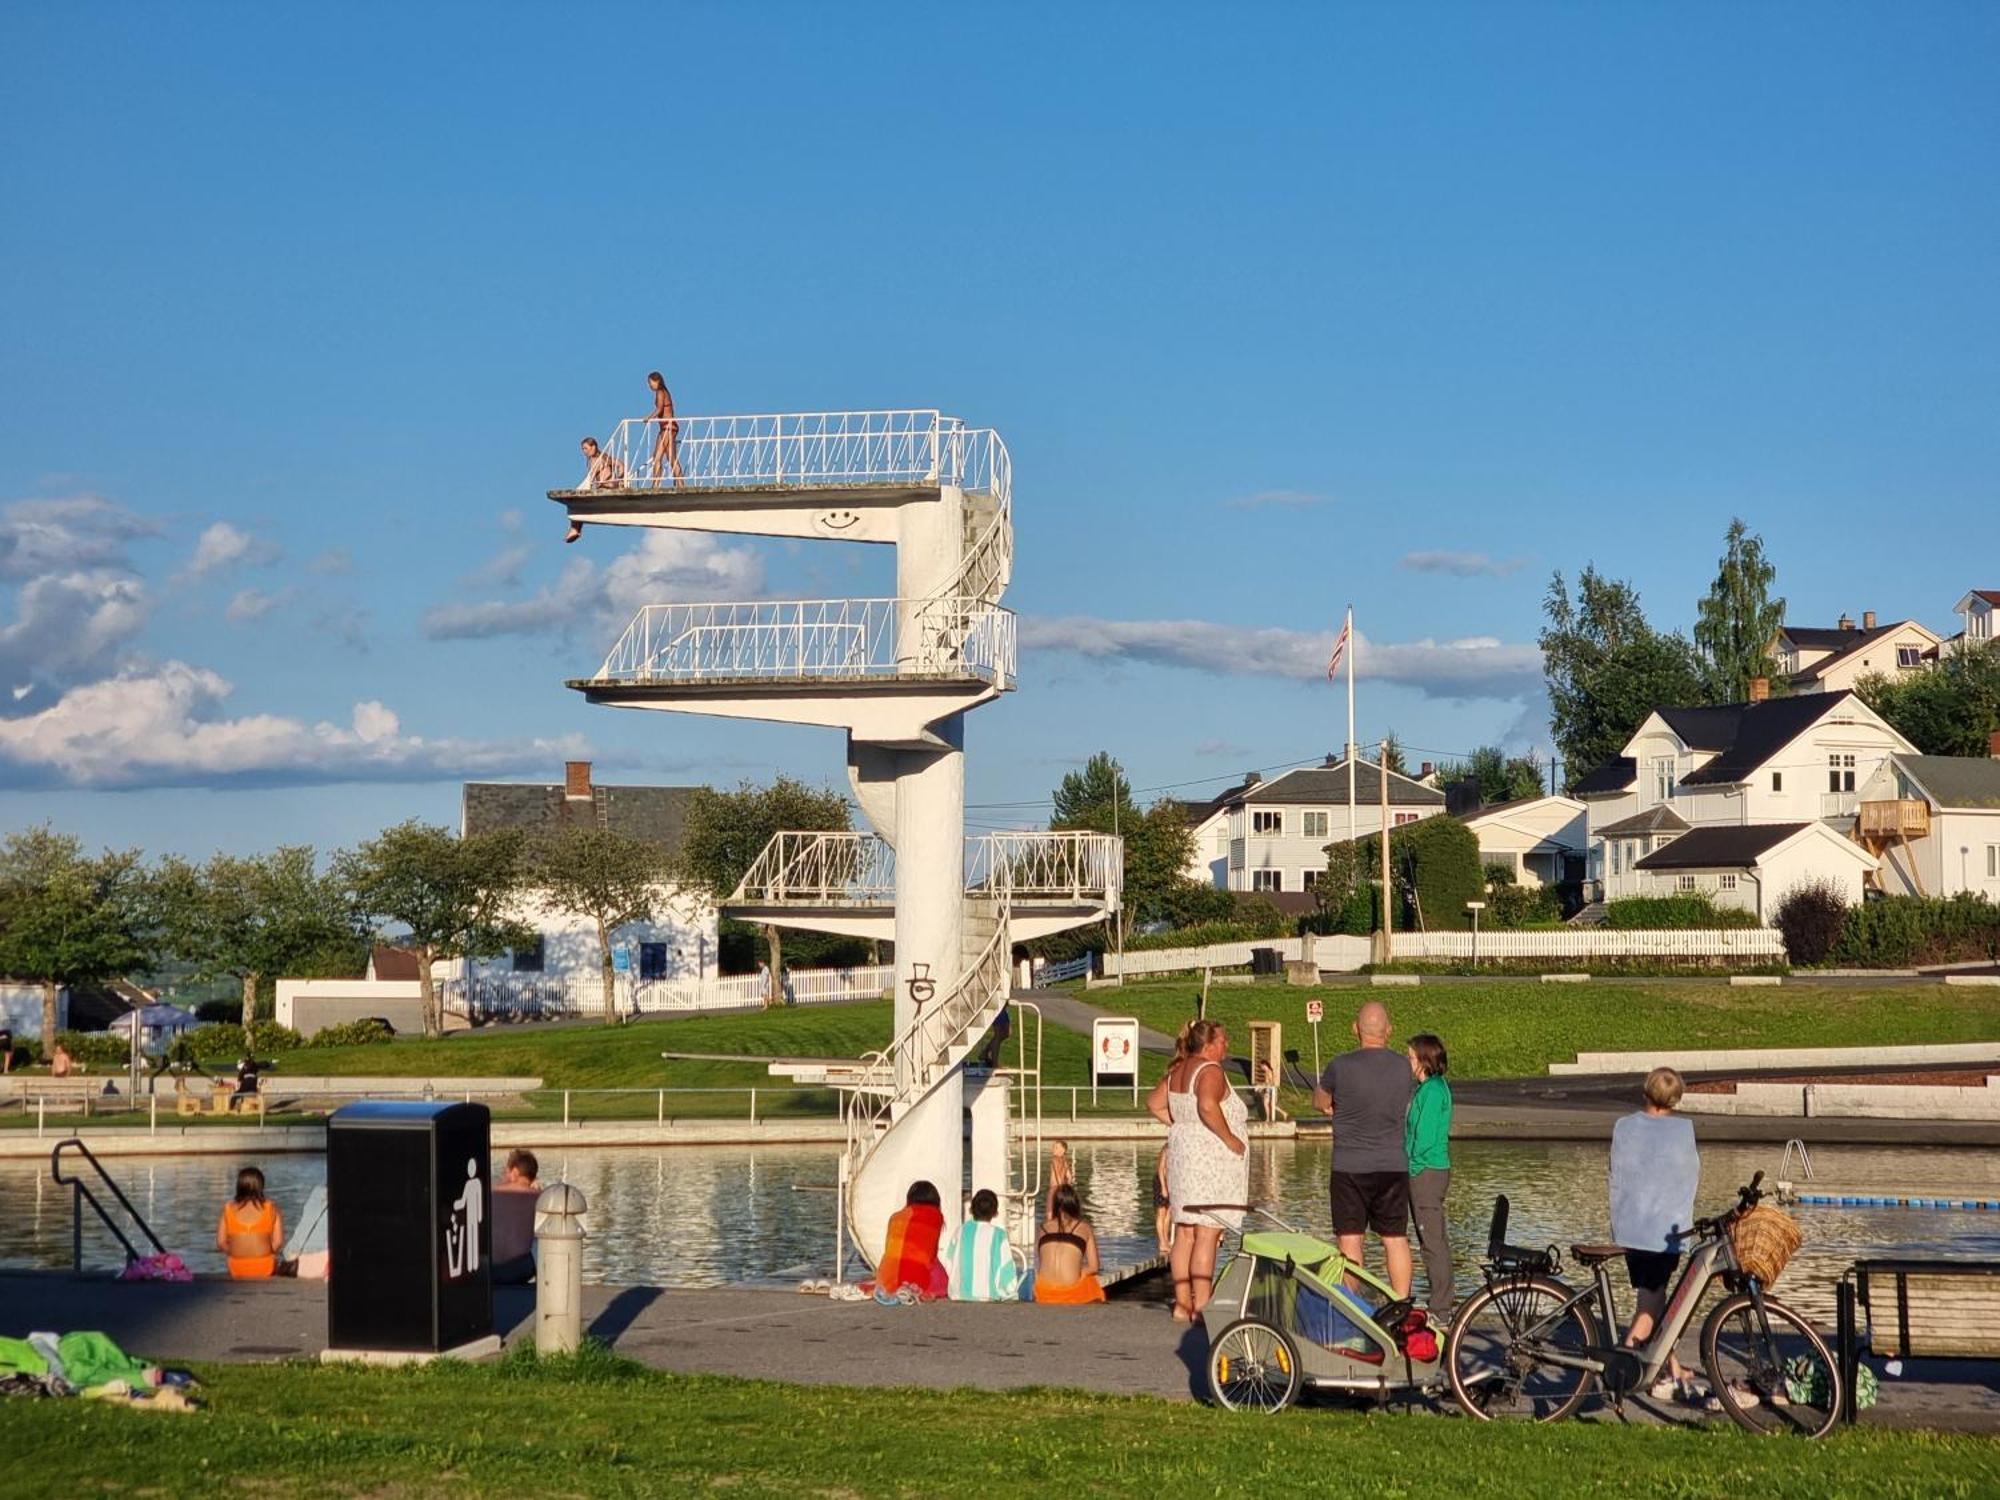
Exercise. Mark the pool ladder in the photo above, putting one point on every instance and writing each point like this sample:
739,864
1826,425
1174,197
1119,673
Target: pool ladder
80,1193
1795,1151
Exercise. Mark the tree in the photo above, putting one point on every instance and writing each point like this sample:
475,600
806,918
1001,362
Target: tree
1433,864
1738,619
1607,668
608,877
255,919
1390,754
67,919
1158,846
451,895
1497,776
1952,708
724,832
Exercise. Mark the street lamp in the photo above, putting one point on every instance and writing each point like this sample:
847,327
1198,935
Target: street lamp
1475,907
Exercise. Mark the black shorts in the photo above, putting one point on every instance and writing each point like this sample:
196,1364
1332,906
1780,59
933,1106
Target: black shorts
1372,1200
1651,1270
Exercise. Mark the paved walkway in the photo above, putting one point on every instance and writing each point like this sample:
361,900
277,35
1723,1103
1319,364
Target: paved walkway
1127,1347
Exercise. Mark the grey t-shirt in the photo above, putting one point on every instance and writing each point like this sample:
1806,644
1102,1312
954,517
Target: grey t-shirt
1371,1088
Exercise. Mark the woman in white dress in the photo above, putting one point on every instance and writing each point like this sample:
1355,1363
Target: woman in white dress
1207,1159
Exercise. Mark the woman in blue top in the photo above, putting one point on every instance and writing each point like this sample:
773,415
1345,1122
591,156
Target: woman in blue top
1655,1170
1427,1140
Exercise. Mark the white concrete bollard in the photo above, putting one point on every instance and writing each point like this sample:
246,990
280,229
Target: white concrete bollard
559,1269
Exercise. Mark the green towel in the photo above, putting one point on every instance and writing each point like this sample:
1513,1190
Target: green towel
91,1359
19,1357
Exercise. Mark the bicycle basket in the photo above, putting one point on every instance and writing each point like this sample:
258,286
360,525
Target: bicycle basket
1765,1241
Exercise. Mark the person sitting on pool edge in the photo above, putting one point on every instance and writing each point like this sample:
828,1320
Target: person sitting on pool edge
514,1197
910,1249
252,1231
1066,1261
979,1259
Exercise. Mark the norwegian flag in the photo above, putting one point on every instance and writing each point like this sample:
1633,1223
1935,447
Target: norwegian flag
1339,649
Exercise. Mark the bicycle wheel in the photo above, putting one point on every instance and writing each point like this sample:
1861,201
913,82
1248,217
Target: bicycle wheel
1772,1373
1496,1355
1254,1366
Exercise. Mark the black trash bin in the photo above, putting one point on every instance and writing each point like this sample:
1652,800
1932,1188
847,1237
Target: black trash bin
409,1226
1265,961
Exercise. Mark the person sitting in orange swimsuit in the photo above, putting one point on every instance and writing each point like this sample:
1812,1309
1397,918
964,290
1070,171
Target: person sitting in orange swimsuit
252,1231
1066,1262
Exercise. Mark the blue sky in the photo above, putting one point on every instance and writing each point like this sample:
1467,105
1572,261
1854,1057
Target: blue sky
302,312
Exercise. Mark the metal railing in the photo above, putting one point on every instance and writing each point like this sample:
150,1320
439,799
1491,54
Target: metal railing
531,997
953,636
81,1193
809,450
859,869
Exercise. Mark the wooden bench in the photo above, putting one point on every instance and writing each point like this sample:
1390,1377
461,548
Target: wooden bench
1918,1309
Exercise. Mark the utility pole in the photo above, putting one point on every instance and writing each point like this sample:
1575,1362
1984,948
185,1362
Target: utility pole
1385,945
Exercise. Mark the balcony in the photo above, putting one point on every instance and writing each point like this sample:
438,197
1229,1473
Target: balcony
841,642
1900,818
1838,804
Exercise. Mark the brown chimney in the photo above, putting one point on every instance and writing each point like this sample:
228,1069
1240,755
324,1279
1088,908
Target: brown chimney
1424,769
1867,619
1760,689
1846,622
576,778
1993,744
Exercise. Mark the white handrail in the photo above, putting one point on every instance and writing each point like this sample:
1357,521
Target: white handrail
804,450
853,868
951,637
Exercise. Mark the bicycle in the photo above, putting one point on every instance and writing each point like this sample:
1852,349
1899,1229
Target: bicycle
1528,1346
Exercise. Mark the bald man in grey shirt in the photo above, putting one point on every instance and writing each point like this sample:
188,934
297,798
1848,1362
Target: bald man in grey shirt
1367,1091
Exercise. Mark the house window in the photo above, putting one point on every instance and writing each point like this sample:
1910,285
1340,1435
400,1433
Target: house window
1267,880
1663,779
652,960
529,960
1777,781
1909,656
1993,861
1684,884
1313,824
1979,623
1725,882
1402,818
1840,773
1309,878
1268,821
1618,857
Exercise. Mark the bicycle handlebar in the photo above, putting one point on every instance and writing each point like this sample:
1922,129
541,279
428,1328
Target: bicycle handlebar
1747,1198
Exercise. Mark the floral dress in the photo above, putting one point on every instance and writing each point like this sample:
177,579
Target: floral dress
1200,1168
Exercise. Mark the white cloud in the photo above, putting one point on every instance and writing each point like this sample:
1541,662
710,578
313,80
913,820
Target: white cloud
222,547
1463,564
1480,667
80,531
503,569
1277,500
252,605
69,626
332,562
1209,748
162,726
667,567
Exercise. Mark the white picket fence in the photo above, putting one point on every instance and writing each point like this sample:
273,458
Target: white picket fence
521,997
1344,954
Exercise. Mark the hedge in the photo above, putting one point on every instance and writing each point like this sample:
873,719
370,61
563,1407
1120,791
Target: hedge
1696,910
1900,931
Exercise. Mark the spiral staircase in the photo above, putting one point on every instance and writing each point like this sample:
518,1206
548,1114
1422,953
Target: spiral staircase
897,675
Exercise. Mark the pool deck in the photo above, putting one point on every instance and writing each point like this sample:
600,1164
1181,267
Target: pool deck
1128,1347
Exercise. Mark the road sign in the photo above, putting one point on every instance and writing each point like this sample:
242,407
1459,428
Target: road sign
1315,1011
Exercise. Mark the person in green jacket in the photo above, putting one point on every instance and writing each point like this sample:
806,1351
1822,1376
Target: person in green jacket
1427,1139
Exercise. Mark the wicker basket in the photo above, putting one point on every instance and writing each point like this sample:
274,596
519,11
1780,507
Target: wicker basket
1765,1241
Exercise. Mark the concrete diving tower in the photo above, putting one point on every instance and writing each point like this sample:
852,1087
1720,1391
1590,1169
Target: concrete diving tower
897,675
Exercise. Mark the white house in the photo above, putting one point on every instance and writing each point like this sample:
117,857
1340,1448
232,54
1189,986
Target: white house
1779,763
1272,835
1935,821
1544,839
678,940
1822,660
1977,611
1751,866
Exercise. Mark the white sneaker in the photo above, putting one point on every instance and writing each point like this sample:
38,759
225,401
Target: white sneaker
1744,1398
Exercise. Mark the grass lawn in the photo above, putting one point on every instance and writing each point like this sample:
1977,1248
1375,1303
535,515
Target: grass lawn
600,1427
1509,1028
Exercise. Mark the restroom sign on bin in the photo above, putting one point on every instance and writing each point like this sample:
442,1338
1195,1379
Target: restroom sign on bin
1114,1054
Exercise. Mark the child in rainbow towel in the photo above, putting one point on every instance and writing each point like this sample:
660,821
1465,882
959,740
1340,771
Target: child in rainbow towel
910,1251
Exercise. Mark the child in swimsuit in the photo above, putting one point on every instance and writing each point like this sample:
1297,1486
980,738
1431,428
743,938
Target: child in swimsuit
252,1231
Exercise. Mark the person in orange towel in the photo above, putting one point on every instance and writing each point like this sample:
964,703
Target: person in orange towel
910,1253
252,1231
1066,1253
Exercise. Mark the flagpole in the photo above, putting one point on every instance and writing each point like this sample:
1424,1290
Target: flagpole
1350,732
